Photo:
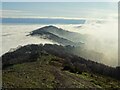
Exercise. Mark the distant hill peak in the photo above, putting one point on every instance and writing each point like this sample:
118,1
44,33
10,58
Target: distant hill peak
51,26
48,27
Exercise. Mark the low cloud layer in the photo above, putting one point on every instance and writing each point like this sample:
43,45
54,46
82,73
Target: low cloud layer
102,37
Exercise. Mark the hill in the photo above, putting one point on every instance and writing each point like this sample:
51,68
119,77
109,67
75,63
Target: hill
59,35
54,66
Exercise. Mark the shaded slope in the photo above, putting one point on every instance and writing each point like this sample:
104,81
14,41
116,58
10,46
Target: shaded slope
73,36
59,35
55,38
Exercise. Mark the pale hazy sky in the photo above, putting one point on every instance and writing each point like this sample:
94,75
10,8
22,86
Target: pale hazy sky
55,9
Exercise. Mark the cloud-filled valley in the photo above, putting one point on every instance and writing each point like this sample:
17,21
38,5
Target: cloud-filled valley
98,36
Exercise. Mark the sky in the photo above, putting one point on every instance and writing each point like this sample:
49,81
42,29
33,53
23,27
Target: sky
61,9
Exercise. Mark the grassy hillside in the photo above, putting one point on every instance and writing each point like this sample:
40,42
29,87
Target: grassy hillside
48,72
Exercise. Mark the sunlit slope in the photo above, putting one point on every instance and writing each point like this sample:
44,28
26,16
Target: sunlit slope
48,72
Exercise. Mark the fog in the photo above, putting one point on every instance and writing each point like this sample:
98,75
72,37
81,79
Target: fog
102,37
14,36
105,40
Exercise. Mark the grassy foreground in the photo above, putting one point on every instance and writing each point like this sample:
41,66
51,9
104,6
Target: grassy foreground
47,72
